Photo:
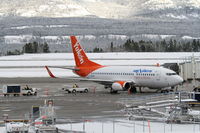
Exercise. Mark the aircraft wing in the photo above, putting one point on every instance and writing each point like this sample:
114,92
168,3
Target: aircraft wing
53,76
100,81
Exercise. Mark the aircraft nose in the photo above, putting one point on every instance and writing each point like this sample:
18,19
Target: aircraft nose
180,79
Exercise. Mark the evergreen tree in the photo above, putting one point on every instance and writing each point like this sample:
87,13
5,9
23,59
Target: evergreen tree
111,47
158,47
136,47
142,48
128,46
97,50
150,48
187,47
194,46
170,46
163,45
198,45
16,52
36,48
28,48
46,48
175,47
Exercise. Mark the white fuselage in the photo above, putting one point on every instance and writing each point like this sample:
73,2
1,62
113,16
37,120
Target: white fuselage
144,76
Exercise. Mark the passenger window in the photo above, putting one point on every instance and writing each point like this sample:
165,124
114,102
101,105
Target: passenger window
169,74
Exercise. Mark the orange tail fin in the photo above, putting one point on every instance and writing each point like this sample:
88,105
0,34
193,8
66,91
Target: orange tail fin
80,57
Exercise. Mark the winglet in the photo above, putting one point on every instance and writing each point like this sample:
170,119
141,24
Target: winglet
50,73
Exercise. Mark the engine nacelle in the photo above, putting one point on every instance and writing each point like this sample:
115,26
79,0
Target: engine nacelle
121,86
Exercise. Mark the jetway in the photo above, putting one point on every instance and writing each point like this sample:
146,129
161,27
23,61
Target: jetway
190,68
169,108
190,71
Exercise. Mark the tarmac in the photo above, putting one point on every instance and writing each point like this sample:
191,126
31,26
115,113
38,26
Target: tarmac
96,104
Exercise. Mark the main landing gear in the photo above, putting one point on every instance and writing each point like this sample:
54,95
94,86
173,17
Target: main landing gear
167,90
113,91
132,90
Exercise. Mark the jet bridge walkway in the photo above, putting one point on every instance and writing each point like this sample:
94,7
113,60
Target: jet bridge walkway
158,107
148,100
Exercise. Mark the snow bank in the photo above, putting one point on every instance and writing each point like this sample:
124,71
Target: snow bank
32,65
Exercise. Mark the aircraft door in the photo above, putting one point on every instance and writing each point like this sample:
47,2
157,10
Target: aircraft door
157,75
162,81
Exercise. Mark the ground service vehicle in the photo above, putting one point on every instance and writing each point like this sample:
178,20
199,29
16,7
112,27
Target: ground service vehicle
29,91
16,90
17,127
74,90
11,90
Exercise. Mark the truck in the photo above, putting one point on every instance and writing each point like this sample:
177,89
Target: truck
16,90
11,90
27,91
17,127
75,89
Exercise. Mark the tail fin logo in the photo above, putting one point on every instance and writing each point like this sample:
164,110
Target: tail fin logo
78,51
80,57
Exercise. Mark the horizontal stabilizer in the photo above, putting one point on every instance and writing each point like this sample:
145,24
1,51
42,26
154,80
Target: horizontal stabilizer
70,68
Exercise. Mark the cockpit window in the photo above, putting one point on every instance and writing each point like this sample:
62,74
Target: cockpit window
169,74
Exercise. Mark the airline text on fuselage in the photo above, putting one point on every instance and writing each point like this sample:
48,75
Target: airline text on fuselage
142,71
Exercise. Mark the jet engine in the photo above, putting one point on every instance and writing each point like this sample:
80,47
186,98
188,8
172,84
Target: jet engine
121,86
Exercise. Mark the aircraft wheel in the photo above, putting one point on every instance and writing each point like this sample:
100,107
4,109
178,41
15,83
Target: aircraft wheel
113,92
164,91
73,91
133,90
86,90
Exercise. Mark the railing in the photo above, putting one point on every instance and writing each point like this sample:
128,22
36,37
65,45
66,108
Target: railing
154,99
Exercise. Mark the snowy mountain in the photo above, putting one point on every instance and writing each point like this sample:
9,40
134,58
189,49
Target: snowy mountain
163,4
101,8
97,22
175,9
45,8
62,8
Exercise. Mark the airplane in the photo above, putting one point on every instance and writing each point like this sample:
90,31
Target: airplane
120,78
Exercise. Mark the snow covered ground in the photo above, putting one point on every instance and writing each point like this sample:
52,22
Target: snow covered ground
131,127
125,126
32,65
